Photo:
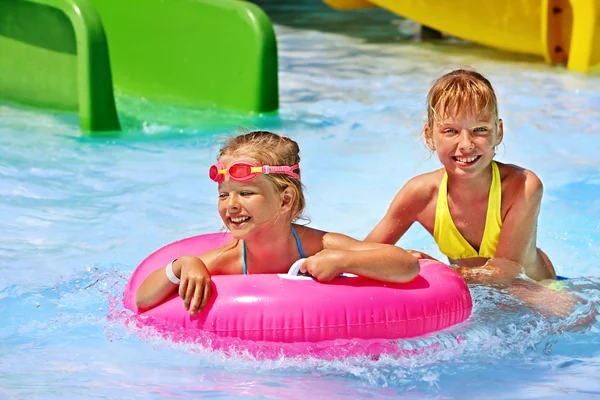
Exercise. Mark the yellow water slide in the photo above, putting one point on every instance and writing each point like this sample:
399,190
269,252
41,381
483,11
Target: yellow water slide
561,31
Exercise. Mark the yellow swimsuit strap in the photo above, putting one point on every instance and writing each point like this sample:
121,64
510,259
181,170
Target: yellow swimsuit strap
450,241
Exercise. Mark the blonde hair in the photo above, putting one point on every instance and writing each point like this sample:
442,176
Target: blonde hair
459,91
267,148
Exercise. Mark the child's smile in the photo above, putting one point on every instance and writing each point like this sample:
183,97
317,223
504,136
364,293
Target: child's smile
239,222
466,161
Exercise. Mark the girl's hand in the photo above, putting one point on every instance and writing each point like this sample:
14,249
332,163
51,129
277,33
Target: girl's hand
194,288
503,269
420,256
496,271
324,266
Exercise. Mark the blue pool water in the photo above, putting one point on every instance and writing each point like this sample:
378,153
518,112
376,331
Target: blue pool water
79,213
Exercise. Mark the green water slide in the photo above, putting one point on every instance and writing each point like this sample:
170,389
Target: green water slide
71,55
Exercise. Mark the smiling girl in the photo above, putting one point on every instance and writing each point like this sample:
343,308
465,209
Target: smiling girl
483,214
260,197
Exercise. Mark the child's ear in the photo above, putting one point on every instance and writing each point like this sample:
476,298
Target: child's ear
287,199
428,137
500,134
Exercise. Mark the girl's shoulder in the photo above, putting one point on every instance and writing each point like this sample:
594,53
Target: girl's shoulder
424,186
309,236
418,194
518,177
224,259
311,239
519,181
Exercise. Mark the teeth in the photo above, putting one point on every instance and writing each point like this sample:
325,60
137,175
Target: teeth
238,220
466,159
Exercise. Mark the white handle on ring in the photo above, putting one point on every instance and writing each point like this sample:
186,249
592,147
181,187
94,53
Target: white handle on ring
294,270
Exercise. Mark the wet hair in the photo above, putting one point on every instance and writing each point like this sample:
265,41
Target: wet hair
267,148
461,91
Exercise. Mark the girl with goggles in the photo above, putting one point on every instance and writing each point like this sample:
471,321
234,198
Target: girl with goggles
259,204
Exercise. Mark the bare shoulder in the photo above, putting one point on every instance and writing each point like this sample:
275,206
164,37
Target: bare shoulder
519,183
315,240
420,190
311,239
220,260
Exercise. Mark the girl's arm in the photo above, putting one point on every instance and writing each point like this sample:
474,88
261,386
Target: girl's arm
194,287
378,261
517,241
402,213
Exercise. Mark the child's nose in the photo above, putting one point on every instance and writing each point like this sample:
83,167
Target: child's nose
465,140
233,200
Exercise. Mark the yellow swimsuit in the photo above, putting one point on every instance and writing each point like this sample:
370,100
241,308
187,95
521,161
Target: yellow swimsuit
447,236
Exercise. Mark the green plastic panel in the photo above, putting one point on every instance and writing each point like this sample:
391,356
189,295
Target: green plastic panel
216,53
53,55
67,54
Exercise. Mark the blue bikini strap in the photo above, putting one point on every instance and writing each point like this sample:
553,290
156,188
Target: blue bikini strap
244,258
244,265
298,242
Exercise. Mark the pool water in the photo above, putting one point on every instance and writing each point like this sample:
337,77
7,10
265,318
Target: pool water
78,213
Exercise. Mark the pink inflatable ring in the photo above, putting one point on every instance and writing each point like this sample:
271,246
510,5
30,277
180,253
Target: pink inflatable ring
273,308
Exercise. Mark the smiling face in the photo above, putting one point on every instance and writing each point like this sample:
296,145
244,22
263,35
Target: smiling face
464,142
462,122
253,207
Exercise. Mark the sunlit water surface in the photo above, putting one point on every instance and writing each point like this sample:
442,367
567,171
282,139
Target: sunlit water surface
79,213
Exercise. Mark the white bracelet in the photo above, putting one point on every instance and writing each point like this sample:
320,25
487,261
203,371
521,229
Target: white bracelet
170,274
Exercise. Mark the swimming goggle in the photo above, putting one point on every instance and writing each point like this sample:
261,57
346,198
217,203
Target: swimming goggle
243,171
